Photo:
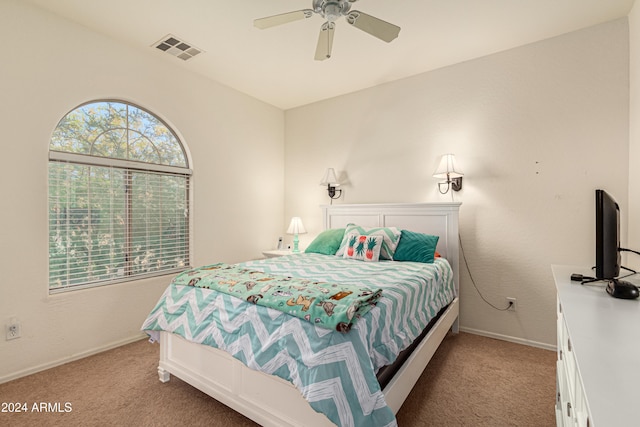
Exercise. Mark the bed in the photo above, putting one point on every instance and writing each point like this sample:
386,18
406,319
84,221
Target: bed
271,400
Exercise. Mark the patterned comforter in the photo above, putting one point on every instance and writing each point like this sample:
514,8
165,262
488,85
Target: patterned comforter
334,306
335,372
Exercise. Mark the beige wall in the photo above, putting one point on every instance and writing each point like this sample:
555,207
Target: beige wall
49,67
535,129
634,135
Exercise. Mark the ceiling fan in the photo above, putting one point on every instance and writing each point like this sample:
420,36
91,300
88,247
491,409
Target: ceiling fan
331,10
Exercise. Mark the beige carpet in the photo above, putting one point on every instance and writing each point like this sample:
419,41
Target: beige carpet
471,381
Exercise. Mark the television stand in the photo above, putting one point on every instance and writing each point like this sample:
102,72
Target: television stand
598,351
621,289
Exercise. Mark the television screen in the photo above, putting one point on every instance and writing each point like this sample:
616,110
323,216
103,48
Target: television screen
607,236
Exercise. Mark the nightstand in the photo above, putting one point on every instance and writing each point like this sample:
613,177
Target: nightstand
276,253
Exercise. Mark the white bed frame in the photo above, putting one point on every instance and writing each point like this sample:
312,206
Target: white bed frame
271,401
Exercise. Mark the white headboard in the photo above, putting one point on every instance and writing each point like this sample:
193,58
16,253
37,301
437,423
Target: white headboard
438,219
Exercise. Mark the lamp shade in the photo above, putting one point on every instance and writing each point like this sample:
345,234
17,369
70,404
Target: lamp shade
448,167
296,226
330,178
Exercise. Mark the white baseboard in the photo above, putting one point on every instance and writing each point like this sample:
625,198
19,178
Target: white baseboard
71,358
516,340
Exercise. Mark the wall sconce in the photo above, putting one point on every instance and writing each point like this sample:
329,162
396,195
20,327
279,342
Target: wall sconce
331,181
450,172
295,228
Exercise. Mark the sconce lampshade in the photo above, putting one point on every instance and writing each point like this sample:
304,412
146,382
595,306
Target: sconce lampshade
448,168
330,178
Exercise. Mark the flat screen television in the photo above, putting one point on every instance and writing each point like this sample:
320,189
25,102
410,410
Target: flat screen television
608,247
607,236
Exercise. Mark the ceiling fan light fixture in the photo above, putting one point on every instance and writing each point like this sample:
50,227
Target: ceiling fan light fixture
332,11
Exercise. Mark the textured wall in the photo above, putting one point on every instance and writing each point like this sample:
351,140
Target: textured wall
51,67
535,129
634,136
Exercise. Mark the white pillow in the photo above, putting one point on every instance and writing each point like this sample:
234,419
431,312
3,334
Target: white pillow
390,235
363,247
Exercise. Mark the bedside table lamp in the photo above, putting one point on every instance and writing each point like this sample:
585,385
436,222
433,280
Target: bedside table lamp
295,228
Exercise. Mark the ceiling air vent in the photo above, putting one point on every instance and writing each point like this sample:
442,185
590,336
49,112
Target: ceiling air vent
177,47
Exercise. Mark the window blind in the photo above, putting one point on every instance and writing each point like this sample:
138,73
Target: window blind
109,224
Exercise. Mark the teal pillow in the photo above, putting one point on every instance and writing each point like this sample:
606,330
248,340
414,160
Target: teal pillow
327,242
416,247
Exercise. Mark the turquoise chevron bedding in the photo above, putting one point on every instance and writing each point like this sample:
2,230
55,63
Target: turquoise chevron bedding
335,372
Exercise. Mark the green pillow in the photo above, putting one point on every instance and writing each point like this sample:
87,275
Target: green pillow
327,242
417,247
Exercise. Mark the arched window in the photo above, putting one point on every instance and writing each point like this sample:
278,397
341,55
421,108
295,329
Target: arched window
118,197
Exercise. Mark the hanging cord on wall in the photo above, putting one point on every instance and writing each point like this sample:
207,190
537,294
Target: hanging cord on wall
466,264
633,272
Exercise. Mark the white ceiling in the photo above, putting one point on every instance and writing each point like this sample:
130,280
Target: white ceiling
276,65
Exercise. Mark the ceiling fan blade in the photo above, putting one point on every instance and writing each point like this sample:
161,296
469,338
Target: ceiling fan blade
283,18
374,26
325,41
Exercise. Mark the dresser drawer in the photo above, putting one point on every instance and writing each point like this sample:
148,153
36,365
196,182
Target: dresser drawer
571,403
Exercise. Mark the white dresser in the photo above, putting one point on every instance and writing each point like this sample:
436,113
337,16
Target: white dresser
598,368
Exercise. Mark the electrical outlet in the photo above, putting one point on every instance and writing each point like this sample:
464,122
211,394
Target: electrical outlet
513,305
13,329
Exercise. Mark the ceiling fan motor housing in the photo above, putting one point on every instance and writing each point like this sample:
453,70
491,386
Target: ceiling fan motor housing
332,9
